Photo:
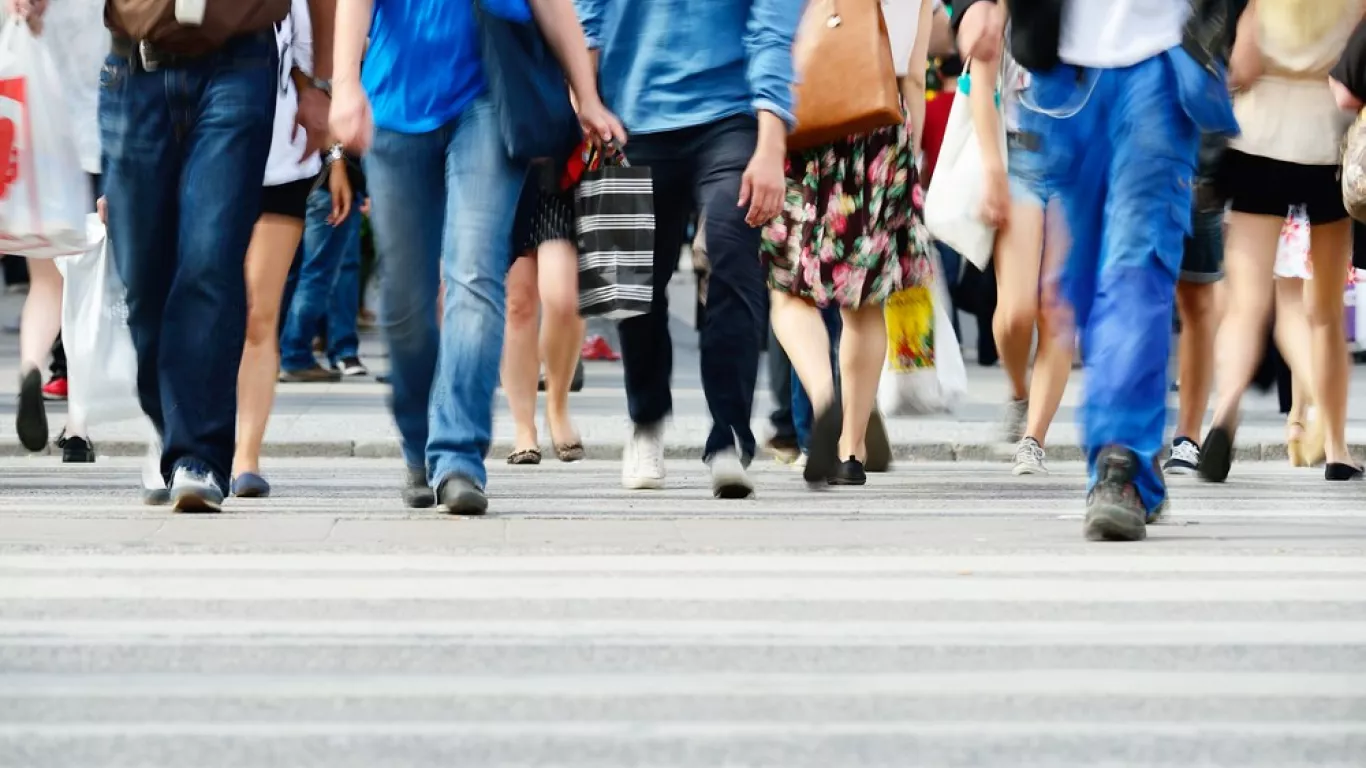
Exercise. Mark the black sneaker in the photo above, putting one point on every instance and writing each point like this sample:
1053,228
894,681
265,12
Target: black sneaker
461,496
351,366
1114,511
850,472
30,420
1217,457
417,494
76,450
1185,458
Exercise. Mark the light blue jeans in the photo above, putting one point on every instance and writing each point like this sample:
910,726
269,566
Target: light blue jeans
442,206
317,281
1119,149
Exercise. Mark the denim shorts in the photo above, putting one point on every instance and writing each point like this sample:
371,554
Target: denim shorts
1203,259
1026,175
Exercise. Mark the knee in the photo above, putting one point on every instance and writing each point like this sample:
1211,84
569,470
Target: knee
522,303
263,323
1016,317
1195,302
1324,312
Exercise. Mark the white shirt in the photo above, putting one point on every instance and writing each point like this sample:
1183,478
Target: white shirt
1108,34
903,21
75,31
287,144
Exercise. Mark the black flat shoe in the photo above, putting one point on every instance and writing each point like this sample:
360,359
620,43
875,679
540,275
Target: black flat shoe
850,472
822,455
526,458
1216,455
1342,472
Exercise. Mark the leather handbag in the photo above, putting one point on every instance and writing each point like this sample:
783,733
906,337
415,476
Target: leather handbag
528,89
1354,169
846,77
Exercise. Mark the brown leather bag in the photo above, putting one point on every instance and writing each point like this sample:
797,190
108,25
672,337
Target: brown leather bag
846,77
154,21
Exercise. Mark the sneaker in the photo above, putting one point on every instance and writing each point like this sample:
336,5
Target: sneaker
800,463
76,450
351,366
1013,424
462,496
1114,511
850,472
597,348
30,420
417,494
784,449
312,375
729,480
1029,458
195,490
56,389
642,463
1185,458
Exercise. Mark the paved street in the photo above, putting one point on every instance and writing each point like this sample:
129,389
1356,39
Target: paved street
946,615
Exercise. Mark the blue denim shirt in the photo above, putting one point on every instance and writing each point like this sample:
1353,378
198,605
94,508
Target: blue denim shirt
671,64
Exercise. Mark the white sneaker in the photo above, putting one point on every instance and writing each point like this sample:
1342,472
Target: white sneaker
1029,456
729,480
642,463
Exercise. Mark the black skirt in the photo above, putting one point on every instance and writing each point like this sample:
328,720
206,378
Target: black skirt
544,214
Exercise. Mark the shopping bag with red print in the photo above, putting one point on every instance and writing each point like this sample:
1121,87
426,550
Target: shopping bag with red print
44,195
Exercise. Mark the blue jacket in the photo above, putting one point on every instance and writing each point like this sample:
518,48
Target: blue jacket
671,64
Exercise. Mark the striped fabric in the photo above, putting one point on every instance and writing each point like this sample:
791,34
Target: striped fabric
616,227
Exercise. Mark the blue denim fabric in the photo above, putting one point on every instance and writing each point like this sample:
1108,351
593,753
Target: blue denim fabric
324,248
1119,149
184,152
803,414
442,207
343,340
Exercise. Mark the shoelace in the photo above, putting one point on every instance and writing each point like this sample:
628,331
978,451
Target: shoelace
1186,452
1029,452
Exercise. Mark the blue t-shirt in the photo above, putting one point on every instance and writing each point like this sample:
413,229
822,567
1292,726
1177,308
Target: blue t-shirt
423,65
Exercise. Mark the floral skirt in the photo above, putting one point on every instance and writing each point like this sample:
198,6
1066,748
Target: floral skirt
851,230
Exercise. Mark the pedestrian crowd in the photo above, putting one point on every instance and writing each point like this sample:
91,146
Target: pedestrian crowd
526,165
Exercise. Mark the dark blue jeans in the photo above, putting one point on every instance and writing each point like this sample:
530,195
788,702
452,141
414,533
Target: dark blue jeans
802,411
325,248
184,153
343,341
699,169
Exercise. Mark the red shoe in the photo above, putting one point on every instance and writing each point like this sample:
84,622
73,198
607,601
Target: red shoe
55,389
597,348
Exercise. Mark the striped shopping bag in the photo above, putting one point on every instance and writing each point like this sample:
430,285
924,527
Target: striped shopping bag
614,204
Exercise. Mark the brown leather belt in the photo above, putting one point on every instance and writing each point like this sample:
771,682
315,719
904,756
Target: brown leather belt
147,57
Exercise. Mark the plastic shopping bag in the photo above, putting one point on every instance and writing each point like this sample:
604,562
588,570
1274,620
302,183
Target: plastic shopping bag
924,372
44,195
102,366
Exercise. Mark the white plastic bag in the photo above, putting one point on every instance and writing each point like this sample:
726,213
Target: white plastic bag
44,194
931,389
102,366
954,200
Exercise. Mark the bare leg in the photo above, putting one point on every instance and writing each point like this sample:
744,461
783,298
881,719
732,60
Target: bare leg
561,333
799,328
1199,323
273,245
41,319
521,363
1019,253
1056,350
1250,259
1331,253
863,350
1293,340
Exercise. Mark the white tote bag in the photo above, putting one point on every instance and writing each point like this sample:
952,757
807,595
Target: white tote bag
44,194
928,390
953,202
102,366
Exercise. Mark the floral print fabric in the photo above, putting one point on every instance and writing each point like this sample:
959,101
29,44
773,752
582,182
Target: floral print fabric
851,230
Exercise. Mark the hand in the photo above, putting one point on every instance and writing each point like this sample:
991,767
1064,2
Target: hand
102,208
339,184
29,10
981,31
600,125
312,118
995,208
763,186
350,119
365,207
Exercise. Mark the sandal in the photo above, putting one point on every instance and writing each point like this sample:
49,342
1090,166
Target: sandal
1294,444
529,457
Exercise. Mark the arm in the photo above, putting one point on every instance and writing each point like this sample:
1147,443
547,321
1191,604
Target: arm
350,120
323,14
1245,62
1344,97
768,53
979,25
566,38
913,84
941,33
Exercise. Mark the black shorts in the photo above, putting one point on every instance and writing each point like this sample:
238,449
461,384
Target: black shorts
543,215
1203,260
1266,187
289,199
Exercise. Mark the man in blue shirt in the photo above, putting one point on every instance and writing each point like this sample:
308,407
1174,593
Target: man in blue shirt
705,90
443,194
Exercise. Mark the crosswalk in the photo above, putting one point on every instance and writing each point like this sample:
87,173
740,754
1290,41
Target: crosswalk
1126,658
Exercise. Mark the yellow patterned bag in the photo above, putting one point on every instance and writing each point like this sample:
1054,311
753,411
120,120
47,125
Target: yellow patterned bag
910,329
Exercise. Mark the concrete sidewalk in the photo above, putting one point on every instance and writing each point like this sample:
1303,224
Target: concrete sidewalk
351,419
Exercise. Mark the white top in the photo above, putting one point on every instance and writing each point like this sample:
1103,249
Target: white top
75,30
287,144
1109,34
1013,80
903,21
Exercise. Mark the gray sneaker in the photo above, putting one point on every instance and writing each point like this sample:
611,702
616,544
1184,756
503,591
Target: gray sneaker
1029,458
195,490
1013,423
729,480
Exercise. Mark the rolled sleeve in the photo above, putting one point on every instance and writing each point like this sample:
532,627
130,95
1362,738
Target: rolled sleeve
590,16
768,52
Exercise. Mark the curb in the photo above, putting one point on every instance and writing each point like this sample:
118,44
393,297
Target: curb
389,449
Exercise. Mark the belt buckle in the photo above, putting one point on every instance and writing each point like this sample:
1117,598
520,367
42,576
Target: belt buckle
147,57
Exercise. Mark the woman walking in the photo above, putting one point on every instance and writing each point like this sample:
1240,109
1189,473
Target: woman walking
850,235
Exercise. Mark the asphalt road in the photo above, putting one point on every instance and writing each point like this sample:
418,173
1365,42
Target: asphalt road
947,615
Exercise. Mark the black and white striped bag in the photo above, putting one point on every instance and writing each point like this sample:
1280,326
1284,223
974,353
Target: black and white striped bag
615,209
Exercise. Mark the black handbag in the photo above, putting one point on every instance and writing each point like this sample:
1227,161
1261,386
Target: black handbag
528,89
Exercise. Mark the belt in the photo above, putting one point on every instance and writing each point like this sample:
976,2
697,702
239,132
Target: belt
149,58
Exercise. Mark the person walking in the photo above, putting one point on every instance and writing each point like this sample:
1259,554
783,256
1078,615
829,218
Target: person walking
1287,155
708,104
1120,93
444,193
